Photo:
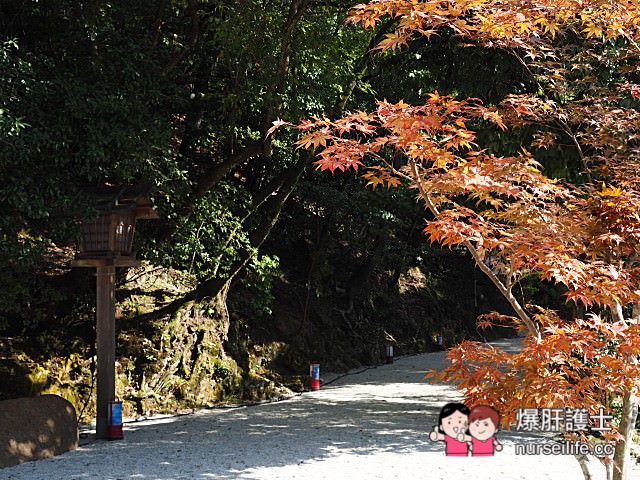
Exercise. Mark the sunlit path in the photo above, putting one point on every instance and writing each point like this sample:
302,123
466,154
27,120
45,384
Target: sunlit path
369,425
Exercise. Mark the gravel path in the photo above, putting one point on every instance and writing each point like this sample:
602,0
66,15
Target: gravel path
366,425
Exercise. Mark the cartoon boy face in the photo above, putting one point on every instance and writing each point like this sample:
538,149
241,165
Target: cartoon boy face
454,424
482,429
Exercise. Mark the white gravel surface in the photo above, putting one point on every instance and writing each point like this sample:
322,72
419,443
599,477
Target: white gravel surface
371,424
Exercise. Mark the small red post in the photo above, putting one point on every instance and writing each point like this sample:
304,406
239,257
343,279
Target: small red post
314,376
114,424
389,352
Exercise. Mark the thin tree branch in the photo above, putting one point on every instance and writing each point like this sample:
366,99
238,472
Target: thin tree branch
506,292
217,172
157,25
193,38
276,88
567,130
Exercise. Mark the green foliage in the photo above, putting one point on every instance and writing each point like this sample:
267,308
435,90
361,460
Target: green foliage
14,85
79,106
18,260
254,297
118,93
207,241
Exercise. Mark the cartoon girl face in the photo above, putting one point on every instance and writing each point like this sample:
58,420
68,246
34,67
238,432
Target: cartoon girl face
454,424
482,429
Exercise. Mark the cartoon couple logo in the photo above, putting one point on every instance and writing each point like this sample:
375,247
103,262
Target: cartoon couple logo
462,429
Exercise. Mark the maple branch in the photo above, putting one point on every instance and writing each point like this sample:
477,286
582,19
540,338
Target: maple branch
567,130
617,313
509,279
391,167
630,38
526,67
506,291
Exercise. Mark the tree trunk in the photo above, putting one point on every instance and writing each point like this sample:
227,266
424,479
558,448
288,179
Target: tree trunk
609,470
621,456
583,460
623,447
270,213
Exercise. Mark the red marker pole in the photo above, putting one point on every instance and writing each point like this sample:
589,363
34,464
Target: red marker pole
389,352
114,420
314,376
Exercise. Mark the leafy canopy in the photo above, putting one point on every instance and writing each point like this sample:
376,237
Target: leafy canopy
515,220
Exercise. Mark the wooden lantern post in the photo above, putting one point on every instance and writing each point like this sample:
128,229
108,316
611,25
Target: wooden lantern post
107,243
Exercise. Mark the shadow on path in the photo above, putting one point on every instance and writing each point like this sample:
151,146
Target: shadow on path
371,425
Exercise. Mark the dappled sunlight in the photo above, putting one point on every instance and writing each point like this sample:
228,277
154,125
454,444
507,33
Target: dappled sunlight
424,394
375,424
264,429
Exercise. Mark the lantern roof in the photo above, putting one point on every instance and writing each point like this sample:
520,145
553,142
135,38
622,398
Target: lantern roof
133,199
108,239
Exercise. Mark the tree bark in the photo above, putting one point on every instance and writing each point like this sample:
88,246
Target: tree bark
217,172
628,416
621,455
583,461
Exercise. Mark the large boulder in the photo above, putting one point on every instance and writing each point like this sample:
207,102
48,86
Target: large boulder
33,428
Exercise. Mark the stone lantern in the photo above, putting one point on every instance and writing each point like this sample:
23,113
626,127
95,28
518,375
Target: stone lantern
107,243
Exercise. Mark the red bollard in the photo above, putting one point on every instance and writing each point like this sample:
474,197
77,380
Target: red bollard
114,420
314,376
389,353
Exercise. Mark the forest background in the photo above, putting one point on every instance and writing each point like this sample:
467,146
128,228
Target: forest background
259,263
